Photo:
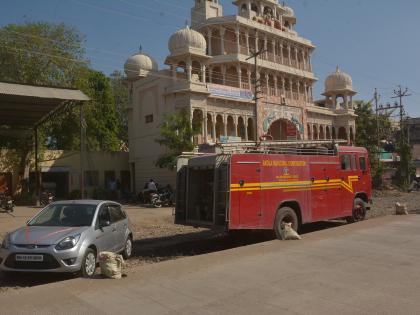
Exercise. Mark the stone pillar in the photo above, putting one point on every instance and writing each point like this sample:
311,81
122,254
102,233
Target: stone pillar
203,73
213,127
235,124
265,47
237,33
289,55
351,102
247,41
173,68
210,74
274,50
224,74
346,102
204,126
275,85
298,89
189,69
249,77
296,58
281,53
266,84
305,86
246,128
304,60
312,95
209,33
256,41
239,71
309,62
283,86
225,125
222,40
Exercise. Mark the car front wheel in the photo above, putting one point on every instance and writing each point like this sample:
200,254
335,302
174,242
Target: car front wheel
89,264
128,249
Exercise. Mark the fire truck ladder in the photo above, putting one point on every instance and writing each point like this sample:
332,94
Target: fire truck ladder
301,147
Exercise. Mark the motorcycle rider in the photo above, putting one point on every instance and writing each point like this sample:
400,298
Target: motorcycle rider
151,188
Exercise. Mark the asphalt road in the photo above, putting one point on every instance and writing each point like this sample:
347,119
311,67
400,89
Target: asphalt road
365,268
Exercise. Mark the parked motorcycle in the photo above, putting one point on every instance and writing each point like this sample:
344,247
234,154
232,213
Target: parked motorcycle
164,197
46,198
6,202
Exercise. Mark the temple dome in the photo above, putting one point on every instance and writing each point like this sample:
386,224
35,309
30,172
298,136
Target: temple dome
289,11
187,39
139,64
338,81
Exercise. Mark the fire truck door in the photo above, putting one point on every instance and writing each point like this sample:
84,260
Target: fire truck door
319,195
249,174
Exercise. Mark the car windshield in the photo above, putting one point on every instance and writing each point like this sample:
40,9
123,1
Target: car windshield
64,215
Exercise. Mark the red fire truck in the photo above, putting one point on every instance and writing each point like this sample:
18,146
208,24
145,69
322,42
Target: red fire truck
261,186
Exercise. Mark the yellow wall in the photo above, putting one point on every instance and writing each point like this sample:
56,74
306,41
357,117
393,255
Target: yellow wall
69,161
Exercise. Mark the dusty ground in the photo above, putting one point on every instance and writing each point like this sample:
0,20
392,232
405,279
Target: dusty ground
158,239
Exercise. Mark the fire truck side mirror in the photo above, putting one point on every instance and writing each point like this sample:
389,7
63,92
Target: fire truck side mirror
241,183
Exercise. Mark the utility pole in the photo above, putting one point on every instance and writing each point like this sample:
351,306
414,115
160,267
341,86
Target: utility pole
257,90
400,94
377,96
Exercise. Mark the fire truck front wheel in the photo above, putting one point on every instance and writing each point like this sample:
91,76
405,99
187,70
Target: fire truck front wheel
359,211
285,215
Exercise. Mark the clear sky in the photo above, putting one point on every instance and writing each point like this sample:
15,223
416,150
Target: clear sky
376,41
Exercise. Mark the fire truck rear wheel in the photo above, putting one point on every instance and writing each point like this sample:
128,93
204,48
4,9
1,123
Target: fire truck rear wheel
359,211
285,215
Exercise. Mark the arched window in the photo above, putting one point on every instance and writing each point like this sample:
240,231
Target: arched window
254,8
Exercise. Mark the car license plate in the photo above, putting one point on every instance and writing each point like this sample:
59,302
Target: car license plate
20,257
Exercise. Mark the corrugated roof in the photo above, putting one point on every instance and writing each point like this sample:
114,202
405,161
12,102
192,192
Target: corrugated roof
26,105
42,92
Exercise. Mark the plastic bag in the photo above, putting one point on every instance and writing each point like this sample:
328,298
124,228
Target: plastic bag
111,265
401,209
288,233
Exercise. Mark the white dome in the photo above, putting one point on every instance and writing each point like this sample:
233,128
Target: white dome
338,81
185,39
289,11
138,63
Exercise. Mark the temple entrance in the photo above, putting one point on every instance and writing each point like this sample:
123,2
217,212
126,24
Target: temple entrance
283,129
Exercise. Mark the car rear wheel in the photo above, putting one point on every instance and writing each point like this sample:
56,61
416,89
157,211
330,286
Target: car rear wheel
89,264
285,215
359,211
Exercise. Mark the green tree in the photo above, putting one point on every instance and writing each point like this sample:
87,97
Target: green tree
367,134
121,100
102,122
176,133
43,54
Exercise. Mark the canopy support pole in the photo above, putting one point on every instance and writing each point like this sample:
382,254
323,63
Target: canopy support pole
37,175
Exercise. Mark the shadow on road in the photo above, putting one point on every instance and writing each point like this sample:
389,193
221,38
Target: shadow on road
153,250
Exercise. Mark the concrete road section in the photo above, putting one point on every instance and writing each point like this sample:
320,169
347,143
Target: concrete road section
365,268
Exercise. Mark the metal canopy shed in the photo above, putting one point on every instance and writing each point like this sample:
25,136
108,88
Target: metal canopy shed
26,107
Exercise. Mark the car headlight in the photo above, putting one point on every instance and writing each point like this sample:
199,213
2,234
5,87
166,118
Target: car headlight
68,242
6,242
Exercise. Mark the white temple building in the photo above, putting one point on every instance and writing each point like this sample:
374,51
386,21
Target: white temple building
208,73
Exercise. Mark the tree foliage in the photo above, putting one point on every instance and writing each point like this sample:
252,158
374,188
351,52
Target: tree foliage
176,135
367,133
42,53
121,101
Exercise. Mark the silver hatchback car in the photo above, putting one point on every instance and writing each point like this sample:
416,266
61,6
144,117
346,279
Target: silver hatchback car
67,237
